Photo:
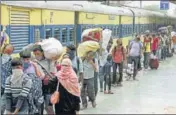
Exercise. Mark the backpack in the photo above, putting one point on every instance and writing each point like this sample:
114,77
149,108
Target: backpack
35,98
119,57
140,45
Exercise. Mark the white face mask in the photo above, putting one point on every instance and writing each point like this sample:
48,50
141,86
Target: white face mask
16,75
39,58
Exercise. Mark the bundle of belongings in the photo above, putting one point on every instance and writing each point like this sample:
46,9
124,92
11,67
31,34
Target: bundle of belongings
94,39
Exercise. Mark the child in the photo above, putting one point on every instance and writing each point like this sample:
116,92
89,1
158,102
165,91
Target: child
17,89
107,73
31,69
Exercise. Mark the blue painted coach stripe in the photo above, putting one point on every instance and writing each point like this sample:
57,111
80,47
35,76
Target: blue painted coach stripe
123,30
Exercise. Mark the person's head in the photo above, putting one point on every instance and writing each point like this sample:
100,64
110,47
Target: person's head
109,58
162,33
71,47
147,33
17,63
90,55
8,49
66,64
26,58
38,52
71,50
65,56
119,42
153,35
138,38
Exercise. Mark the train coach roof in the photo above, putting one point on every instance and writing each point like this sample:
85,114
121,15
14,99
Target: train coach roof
143,12
84,6
171,15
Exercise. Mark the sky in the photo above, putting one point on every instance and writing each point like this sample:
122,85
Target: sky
147,3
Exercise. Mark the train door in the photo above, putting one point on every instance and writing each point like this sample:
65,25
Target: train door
19,28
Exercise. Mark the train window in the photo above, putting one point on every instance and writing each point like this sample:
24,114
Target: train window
83,28
117,31
48,33
114,32
87,27
128,30
71,35
123,31
64,35
37,35
57,33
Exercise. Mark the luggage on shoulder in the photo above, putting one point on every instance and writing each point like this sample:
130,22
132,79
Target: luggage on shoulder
92,34
52,48
87,46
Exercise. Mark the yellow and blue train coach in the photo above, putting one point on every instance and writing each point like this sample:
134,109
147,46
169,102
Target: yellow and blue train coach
28,22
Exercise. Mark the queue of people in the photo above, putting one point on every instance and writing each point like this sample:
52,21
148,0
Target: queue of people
28,85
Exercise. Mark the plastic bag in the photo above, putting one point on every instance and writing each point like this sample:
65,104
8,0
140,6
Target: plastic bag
52,48
106,35
93,34
87,46
103,57
130,68
152,56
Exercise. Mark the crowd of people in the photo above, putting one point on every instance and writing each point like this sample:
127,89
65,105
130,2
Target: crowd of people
28,83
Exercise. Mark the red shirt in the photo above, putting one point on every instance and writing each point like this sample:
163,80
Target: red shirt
155,43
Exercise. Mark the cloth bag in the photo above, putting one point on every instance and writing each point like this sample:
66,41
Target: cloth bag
52,48
87,46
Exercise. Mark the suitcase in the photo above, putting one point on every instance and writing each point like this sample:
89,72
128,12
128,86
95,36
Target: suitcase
154,63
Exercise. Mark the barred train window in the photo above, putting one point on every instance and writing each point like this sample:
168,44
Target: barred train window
57,33
64,35
48,33
83,28
114,32
71,34
37,35
117,31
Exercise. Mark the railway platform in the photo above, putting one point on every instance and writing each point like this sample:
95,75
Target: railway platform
153,93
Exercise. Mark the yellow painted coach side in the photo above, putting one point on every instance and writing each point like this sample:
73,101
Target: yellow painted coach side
57,17
144,20
5,15
36,17
92,18
126,20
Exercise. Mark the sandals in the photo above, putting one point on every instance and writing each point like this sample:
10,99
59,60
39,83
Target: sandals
109,92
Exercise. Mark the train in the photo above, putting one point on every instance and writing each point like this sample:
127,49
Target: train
30,21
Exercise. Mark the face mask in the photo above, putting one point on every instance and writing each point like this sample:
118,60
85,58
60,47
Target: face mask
39,58
26,65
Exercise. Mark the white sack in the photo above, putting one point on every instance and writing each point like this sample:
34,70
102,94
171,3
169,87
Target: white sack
52,48
103,57
106,35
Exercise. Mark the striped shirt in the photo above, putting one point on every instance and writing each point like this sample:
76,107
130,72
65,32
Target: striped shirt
17,93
